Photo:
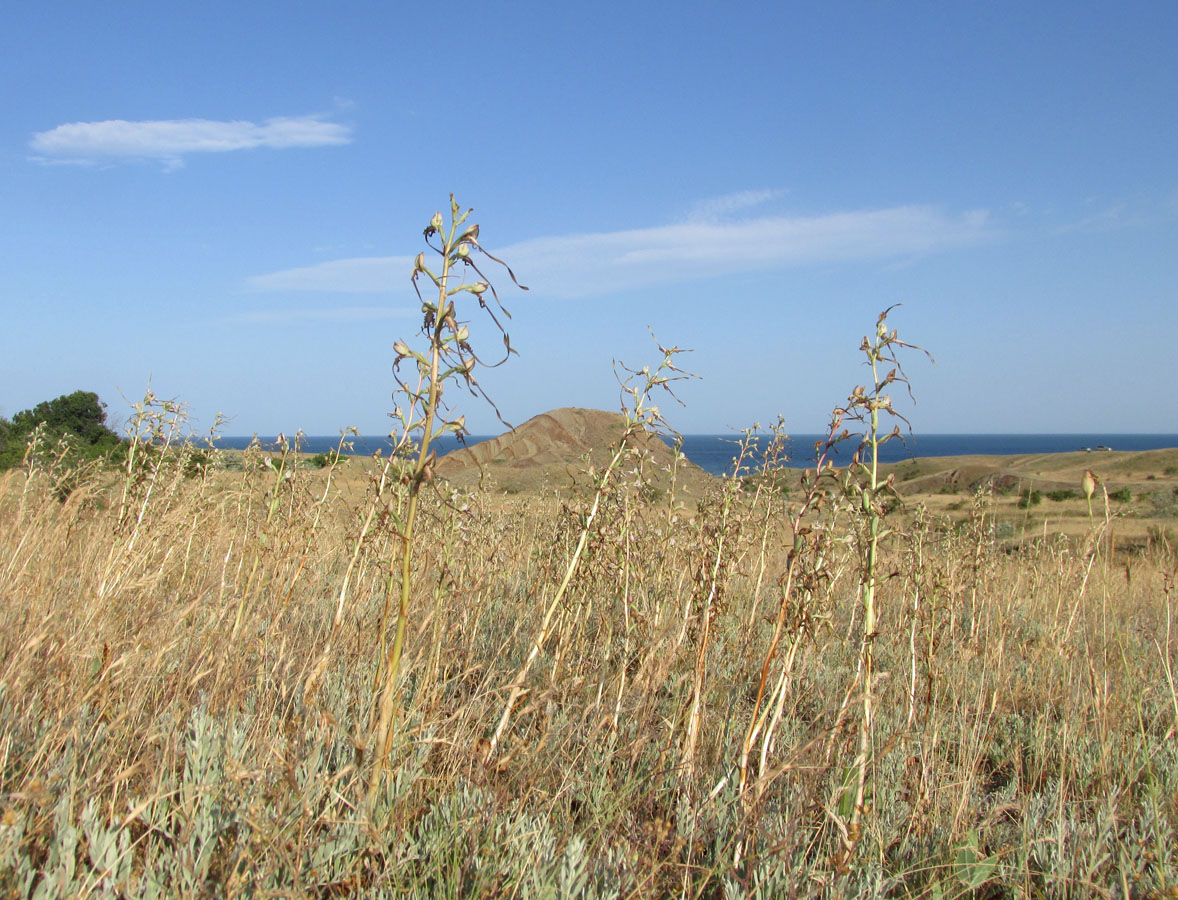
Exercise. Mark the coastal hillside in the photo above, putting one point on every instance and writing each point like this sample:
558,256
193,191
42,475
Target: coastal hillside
556,449
1029,494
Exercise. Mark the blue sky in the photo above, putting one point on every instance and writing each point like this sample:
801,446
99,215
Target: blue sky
226,198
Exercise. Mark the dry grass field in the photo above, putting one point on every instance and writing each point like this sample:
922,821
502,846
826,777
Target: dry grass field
614,692
233,674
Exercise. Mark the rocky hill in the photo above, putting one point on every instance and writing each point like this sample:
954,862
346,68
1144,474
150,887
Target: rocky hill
555,450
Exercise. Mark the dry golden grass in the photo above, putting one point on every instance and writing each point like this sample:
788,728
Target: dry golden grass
1143,486
186,696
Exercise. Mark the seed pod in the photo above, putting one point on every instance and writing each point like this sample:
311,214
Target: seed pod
1088,483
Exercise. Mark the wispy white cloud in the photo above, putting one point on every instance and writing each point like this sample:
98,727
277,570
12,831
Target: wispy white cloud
170,140
586,264
359,275
1111,218
1100,215
715,208
327,314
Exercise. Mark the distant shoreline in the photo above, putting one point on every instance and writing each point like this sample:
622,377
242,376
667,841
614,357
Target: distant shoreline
714,452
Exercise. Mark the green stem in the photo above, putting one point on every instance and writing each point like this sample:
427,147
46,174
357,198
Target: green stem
392,667
868,595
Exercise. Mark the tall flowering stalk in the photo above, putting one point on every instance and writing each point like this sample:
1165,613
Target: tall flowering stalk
447,357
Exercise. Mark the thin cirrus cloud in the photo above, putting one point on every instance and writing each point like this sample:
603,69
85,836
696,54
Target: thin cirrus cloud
325,314
715,208
581,265
170,140
359,275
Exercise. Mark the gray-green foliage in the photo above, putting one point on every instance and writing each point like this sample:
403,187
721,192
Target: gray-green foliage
213,830
207,830
1164,503
471,843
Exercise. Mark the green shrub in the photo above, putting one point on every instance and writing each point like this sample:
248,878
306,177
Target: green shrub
1124,495
323,460
1060,496
908,472
1030,498
774,480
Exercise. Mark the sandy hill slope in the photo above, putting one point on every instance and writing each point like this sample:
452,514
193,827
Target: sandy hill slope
1139,471
1142,490
554,450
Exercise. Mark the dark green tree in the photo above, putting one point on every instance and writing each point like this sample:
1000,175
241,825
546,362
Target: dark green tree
80,416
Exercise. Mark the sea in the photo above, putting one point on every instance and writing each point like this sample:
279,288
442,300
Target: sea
716,453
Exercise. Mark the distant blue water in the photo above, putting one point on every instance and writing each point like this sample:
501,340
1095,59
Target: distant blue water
714,453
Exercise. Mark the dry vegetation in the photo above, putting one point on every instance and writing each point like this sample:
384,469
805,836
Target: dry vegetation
189,658
743,691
